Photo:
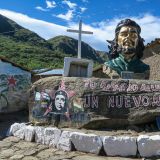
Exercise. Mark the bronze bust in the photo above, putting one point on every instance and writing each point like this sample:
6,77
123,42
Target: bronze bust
126,50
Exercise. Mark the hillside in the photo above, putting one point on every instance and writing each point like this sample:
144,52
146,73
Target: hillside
26,48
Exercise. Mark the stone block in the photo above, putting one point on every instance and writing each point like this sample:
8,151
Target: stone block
14,127
86,142
51,136
20,133
120,146
149,146
39,135
64,142
29,133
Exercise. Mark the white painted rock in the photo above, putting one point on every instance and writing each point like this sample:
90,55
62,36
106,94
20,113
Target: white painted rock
14,127
29,133
20,133
51,136
86,142
39,134
64,142
120,146
149,146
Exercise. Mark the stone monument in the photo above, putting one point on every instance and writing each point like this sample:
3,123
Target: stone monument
126,50
92,102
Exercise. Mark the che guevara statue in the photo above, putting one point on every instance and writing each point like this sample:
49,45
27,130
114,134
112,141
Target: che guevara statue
126,50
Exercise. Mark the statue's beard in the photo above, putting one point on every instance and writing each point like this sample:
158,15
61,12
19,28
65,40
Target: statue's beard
125,50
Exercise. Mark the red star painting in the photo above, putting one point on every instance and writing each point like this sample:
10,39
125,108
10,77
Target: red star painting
11,81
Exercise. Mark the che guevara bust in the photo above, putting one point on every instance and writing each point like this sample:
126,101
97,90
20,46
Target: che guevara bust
126,50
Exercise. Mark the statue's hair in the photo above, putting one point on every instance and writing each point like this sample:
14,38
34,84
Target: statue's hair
113,48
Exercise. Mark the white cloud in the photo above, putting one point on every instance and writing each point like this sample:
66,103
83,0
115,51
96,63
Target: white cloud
70,4
83,9
51,4
41,9
85,1
68,16
101,31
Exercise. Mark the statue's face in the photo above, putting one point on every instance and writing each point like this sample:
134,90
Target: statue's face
127,38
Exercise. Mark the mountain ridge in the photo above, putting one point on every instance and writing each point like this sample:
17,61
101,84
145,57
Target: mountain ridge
28,49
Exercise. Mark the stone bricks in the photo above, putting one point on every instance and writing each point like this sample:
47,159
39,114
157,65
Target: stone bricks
51,136
64,142
14,127
120,146
39,135
149,146
29,133
86,142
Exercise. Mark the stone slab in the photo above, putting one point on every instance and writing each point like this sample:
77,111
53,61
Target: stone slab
120,146
64,142
29,133
149,146
86,142
39,135
51,136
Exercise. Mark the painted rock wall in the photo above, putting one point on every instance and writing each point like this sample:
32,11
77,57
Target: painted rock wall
13,92
14,83
94,102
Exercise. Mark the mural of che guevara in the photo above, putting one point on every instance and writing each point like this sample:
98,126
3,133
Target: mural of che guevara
126,50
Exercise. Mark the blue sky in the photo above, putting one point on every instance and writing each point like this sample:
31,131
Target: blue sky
50,18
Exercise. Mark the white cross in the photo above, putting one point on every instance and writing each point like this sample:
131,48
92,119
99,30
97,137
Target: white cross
80,32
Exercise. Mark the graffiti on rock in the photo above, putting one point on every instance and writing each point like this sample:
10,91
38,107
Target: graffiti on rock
10,85
59,105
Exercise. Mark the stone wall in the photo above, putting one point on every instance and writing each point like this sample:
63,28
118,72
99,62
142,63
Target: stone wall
67,140
94,102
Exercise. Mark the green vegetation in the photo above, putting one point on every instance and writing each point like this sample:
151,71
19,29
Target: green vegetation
30,50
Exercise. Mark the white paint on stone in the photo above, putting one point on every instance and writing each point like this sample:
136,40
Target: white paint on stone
29,133
20,133
64,142
51,136
86,142
149,145
120,145
39,135
13,128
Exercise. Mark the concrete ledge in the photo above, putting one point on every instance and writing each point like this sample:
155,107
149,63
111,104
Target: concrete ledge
120,145
149,146
125,146
86,142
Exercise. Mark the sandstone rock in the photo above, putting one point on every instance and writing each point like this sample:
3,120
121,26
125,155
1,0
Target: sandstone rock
120,146
29,133
14,127
86,142
64,142
4,144
6,153
45,154
30,158
39,135
17,157
149,146
12,139
51,136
